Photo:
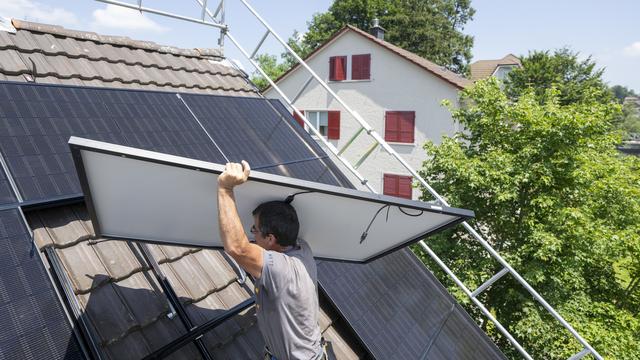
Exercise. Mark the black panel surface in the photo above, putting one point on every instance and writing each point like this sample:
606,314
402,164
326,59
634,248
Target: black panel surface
397,307
250,129
6,193
33,324
36,122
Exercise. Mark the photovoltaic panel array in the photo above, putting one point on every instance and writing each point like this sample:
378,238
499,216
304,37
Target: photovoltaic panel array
34,129
401,311
33,324
37,121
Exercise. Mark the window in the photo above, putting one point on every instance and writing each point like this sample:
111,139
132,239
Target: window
327,123
397,185
361,67
337,68
399,126
502,71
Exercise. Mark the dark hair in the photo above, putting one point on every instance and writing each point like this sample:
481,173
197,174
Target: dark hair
280,219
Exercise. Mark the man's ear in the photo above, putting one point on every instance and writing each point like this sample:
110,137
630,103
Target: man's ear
272,240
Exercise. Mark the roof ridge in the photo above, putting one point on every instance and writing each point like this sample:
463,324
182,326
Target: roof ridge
114,40
442,72
89,56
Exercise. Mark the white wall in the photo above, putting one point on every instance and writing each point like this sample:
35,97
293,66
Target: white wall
396,84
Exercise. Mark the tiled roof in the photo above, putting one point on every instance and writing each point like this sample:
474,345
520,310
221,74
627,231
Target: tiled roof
53,54
437,70
127,308
484,68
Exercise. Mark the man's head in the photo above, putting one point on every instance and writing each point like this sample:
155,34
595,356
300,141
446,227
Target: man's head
275,222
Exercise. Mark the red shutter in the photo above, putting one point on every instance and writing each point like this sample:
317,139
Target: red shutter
337,68
390,185
407,126
298,118
397,185
404,187
361,67
391,126
399,126
333,130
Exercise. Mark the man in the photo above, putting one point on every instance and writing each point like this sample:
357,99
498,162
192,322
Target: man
282,266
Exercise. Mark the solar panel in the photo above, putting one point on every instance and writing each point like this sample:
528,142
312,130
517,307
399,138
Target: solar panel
33,324
141,195
37,120
250,129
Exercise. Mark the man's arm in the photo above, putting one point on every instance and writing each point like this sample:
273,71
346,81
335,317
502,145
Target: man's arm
234,238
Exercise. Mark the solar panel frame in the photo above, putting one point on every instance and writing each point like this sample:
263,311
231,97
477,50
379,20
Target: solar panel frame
78,146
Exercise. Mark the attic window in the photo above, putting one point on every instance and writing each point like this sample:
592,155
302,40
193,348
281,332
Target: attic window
337,68
361,67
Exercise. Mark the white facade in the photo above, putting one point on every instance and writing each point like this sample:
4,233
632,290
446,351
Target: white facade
396,84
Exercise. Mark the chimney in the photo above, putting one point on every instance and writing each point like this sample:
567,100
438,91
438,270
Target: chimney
377,30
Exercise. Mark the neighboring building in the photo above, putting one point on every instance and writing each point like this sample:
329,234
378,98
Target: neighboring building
66,294
633,100
397,92
499,68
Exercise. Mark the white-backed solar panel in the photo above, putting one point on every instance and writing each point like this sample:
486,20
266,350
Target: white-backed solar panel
146,196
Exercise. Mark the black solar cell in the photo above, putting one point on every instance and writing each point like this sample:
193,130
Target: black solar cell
33,324
6,193
250,129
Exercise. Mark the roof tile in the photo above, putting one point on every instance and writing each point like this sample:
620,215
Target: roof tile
140,293
64,227
219,269
64,56
130,347
117,257
11,62
85,268
100,305
193,277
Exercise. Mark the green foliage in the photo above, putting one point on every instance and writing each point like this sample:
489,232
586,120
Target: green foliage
554,197
621,92
629,121
574,79
431,29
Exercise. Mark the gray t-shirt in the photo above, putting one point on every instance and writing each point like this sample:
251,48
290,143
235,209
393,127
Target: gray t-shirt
287,304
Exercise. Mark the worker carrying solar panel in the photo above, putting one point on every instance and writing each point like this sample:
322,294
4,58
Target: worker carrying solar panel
282,266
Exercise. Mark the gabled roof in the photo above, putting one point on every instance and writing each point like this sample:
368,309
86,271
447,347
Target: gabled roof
433,68
484,68
52,54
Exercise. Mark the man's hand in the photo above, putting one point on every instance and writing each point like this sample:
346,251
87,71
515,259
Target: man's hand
234,174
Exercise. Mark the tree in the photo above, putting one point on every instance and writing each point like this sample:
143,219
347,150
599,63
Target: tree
629,121
574,79
621,92
554,197
431,29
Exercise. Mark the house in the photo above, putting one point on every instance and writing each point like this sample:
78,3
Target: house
66,294
499,68
397,92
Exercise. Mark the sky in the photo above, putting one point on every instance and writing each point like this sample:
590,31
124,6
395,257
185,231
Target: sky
606,31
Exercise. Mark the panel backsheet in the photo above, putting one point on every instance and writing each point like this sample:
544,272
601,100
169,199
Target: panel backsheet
143,199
